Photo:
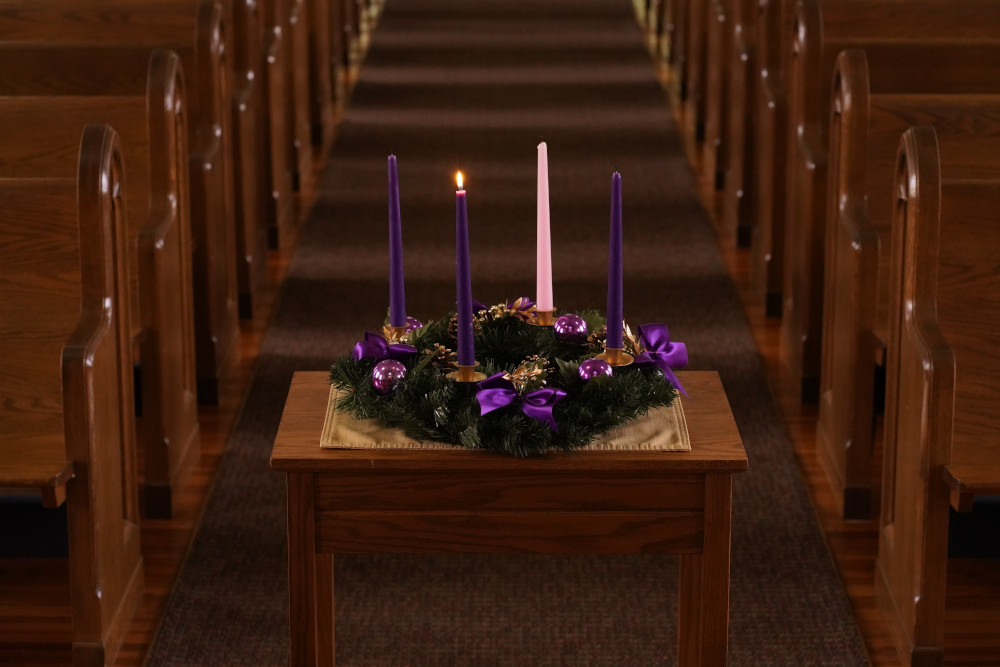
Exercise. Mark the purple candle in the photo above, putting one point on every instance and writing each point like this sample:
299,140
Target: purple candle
463,279
397,295
615,317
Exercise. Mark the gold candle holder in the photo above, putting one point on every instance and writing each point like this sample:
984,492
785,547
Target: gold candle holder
616,356
398,332
544,318
466,374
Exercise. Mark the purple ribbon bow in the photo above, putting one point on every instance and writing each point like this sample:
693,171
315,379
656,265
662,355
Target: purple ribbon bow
660,351
495,392
375,346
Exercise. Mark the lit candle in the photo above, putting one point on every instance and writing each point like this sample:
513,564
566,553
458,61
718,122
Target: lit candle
463,279
614,340
397,296
543,246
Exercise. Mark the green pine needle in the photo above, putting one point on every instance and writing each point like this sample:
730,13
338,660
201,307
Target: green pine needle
429,406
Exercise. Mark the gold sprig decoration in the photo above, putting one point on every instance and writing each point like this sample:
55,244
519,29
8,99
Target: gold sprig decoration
631,341
477,324
393,337
633,346
530,375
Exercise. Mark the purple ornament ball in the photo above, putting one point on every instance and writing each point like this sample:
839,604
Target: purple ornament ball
413,324
387,374
571,328
592,368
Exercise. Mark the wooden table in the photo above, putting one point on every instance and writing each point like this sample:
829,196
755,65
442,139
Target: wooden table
462,501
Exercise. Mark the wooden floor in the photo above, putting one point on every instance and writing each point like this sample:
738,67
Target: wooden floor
973,627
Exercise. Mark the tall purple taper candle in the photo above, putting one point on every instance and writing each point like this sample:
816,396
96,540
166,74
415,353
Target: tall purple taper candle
463,280
397,294
615,317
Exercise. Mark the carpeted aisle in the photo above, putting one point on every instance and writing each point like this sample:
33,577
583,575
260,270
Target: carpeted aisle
474,86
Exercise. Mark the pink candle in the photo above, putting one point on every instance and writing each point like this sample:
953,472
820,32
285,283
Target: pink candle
543,246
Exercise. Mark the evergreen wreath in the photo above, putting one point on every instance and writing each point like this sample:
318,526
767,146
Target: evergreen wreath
428,405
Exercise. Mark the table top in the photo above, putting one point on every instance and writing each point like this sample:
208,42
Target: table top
715,441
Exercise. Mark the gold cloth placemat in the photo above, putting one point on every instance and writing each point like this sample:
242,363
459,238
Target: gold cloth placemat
661,430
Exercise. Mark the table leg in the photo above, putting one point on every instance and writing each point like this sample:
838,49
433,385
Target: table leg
301,570
326,643
703,626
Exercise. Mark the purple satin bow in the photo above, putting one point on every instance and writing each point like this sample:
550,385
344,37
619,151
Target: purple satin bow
478,306
495,392
660,351
375,346
522,303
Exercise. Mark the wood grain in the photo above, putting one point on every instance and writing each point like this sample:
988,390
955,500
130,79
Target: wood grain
197,31
905,42
78,237
153,128
866,123
360,490
521,531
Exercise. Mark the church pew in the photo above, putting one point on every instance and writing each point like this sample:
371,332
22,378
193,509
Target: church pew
104,21
44,136
892,33
774,39
737,140
243,25
321,92
718,25
663,25
65,358
338,64
200,41
677,60
770,116
652,24
279,156
290,19
865,127
695,53
248,111
942,397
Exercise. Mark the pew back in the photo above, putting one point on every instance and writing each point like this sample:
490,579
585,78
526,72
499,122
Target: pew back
197,32
68,377
737,133
899,36
865,127
159,251
941,394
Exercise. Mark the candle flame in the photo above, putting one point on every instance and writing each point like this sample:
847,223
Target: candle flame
459,180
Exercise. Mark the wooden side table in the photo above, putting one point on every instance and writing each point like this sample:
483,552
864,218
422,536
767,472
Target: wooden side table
461,501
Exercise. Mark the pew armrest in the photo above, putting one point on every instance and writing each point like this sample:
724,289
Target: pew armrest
968,480
33,465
